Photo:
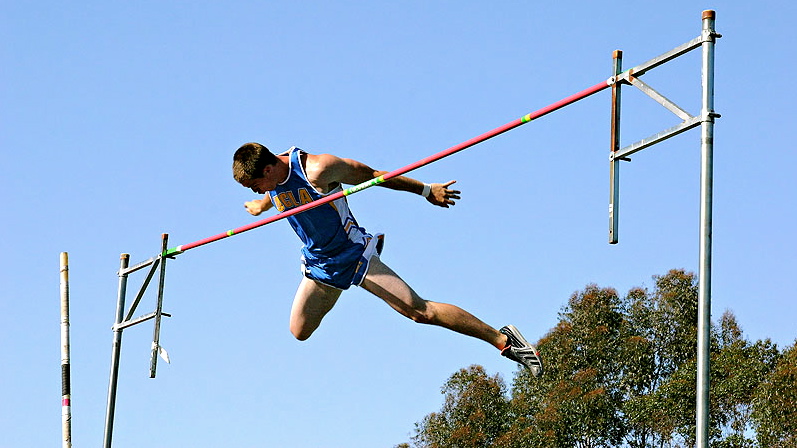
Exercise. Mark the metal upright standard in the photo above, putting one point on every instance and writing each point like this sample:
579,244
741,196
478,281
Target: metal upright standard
617,154
705,119
126,320
66,383
707,115
614,164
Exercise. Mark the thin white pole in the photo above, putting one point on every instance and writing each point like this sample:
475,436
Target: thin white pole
66,394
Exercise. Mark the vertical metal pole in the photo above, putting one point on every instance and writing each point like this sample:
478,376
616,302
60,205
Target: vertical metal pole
66,393
153,362
117,348
614,167
706,194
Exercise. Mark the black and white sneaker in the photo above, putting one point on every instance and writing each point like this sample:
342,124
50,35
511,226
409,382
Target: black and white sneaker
519,350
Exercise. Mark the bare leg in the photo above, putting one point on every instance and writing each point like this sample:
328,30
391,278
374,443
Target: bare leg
387,285
312,302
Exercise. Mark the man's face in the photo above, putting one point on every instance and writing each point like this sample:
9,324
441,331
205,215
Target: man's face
262,184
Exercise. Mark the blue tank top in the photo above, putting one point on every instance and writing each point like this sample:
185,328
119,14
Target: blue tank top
328,230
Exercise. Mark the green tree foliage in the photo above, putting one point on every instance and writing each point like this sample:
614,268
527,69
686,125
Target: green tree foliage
737,370
775,404
620,371
576,402
660,335
474,412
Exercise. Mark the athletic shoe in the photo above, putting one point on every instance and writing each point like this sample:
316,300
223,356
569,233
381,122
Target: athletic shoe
519,350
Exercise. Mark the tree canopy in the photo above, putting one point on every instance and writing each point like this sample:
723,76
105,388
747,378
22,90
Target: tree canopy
621,372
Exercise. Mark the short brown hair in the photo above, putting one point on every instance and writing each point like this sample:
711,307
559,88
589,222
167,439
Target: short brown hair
249,161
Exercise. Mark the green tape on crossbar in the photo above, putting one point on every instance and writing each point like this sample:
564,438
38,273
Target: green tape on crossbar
173,251
364,185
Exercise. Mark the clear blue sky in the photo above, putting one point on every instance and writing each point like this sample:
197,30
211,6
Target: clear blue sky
118,122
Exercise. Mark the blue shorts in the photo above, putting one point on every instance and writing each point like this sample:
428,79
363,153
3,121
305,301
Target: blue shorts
346,269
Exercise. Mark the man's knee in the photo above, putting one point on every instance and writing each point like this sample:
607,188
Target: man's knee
301,333
422,312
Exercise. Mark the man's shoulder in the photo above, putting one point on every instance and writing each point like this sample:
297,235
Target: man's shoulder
321,169
321,161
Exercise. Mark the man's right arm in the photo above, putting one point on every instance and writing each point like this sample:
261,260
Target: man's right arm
258,206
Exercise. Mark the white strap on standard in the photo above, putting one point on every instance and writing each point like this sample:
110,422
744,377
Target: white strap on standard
164,354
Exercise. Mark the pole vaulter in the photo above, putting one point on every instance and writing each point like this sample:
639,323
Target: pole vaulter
378,180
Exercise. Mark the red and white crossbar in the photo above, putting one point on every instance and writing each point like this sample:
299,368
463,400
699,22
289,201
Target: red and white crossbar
376,181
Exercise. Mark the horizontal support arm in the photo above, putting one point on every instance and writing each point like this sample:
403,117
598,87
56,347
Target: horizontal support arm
640,69
656,138
138,320
137,266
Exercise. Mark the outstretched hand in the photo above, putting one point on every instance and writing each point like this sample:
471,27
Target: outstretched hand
257,206
441,196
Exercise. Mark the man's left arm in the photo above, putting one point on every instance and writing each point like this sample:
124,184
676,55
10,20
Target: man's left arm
349,171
